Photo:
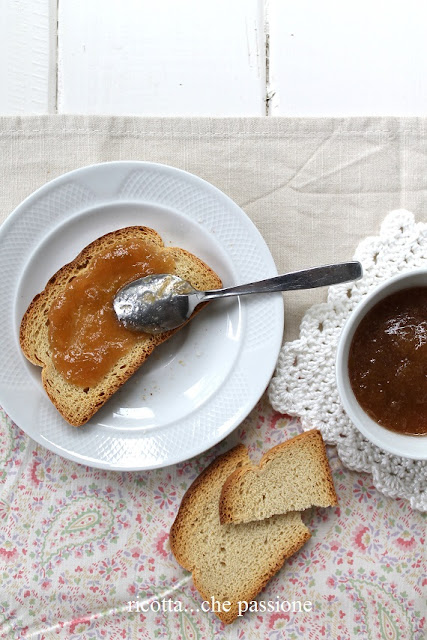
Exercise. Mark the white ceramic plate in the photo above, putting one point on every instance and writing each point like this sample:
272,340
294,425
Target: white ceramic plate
198,386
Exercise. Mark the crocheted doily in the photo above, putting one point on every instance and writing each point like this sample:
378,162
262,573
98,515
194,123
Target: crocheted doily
304,382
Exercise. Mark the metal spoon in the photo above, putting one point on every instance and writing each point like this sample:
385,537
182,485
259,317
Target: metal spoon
162,302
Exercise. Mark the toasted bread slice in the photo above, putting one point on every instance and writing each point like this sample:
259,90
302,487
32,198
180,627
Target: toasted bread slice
78,404
292,476
230,563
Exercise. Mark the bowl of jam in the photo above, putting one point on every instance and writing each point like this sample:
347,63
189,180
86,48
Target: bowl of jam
381,365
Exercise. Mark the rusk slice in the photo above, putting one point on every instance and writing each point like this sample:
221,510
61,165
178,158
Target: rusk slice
77,404
292,476
230,563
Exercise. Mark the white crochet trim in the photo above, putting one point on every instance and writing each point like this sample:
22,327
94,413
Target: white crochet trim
304,383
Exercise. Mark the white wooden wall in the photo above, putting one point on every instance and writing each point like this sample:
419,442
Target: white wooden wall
219,57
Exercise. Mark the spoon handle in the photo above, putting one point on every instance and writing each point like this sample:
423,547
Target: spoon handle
305,279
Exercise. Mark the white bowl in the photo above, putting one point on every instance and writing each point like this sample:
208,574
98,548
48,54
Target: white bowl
414,447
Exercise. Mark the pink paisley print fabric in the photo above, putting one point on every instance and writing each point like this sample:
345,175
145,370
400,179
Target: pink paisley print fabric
77,545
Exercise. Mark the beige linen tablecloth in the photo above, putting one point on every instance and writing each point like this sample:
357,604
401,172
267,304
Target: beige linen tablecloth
76,544
314,188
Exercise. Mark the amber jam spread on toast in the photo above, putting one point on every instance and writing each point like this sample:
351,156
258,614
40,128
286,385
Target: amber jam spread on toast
84,334
388,362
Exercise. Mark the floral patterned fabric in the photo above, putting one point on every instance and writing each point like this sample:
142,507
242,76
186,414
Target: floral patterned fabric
78,544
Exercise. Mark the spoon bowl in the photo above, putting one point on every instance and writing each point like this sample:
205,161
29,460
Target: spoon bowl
162,302
156,303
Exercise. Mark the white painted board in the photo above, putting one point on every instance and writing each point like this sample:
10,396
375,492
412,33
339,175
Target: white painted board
335,58
190,58
163,58
28,56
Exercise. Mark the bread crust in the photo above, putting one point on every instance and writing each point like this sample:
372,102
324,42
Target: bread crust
75,404
230,616
236,456
228,492
179,543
